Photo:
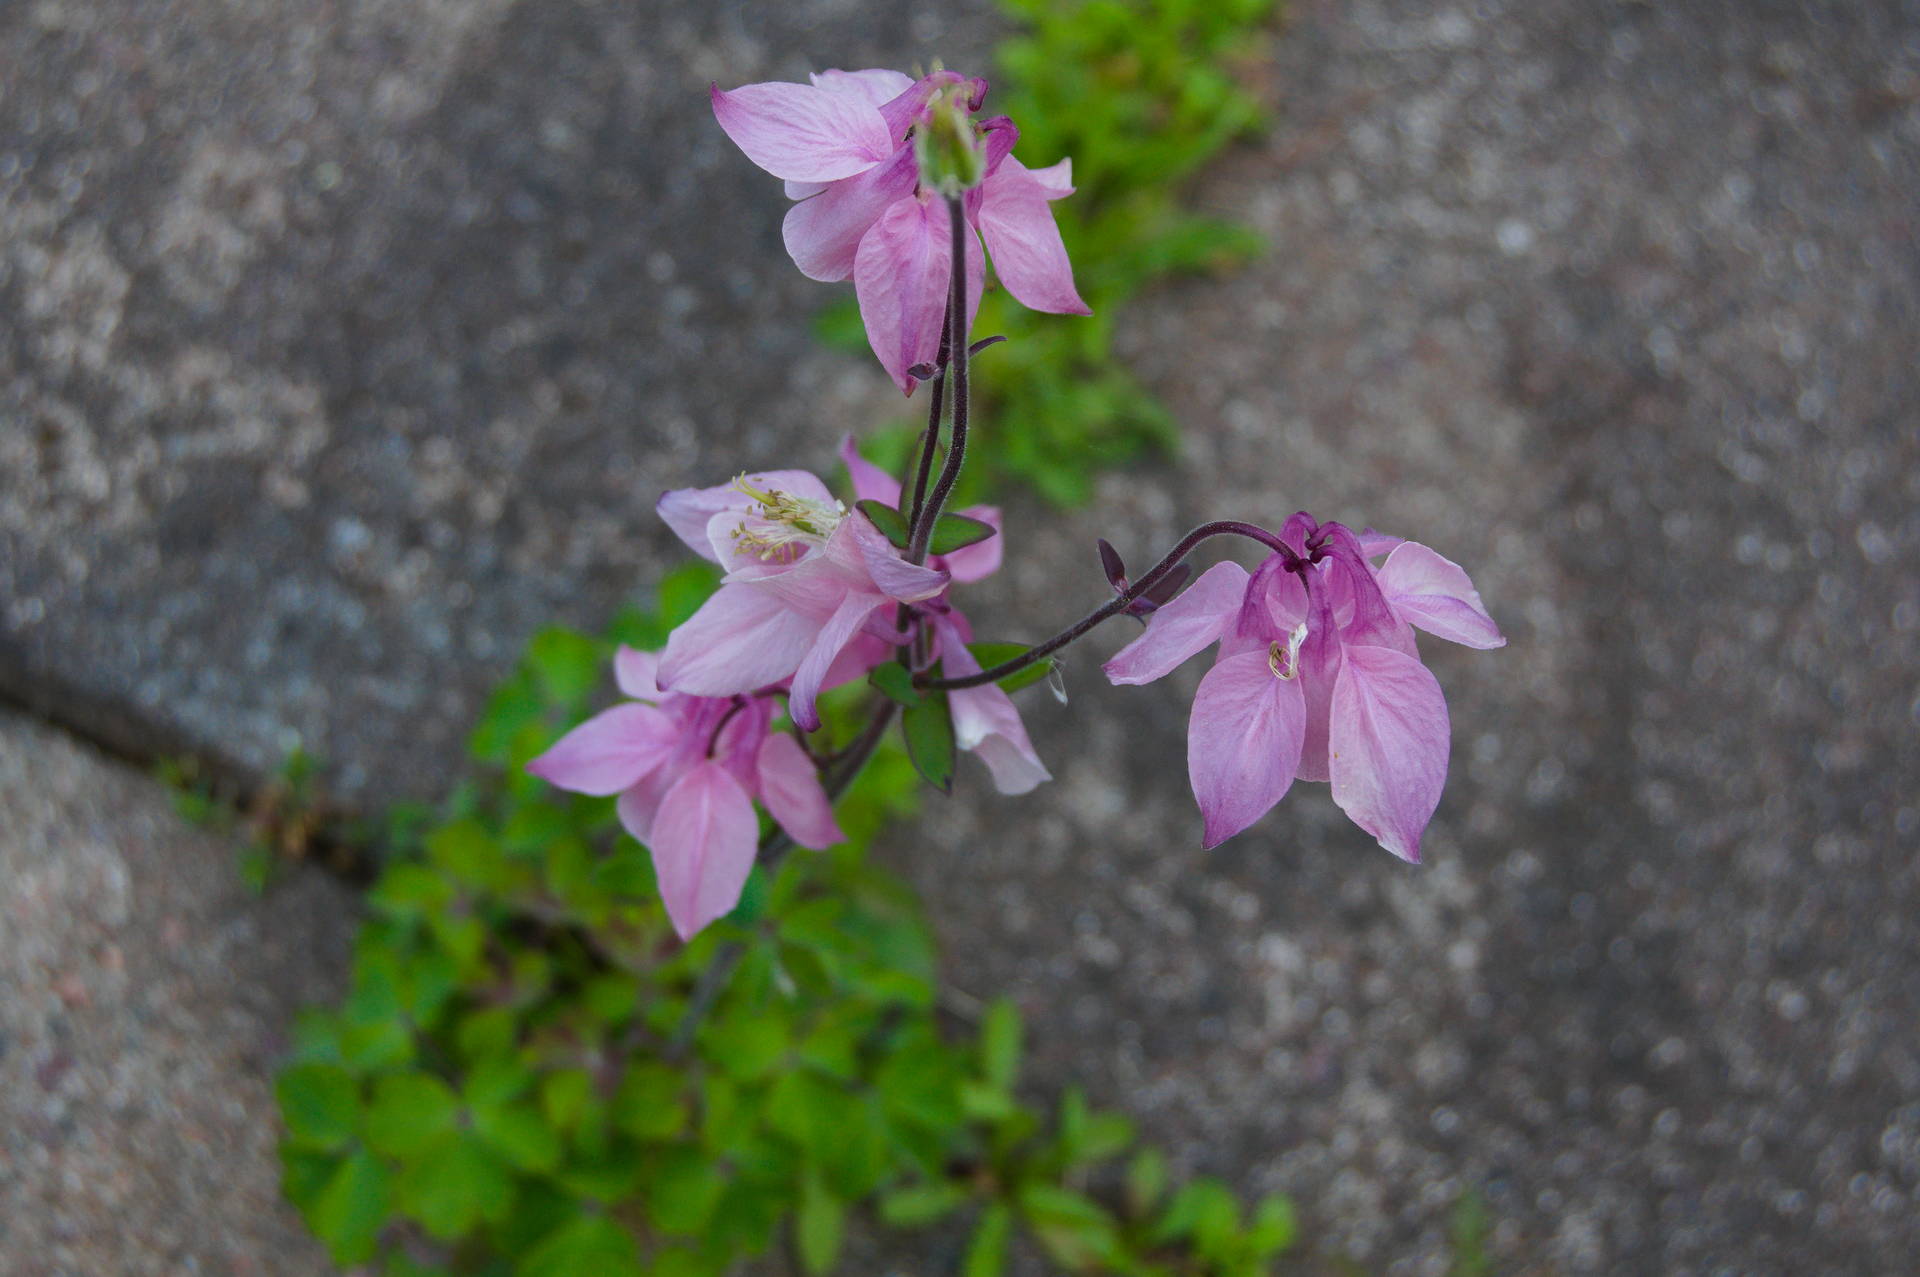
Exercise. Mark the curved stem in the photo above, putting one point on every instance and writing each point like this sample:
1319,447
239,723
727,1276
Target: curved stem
1116,605
957,371
932,438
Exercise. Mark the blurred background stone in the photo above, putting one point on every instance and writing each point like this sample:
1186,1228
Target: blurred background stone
349,346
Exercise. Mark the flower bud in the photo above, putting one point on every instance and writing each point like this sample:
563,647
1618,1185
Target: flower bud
950,156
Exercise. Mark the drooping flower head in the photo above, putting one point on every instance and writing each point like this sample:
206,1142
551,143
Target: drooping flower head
687,770
844,144
1317,678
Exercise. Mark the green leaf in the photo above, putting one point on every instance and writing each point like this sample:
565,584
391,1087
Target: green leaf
467,851
589,1244
992,654
682,591
410,1111
686,1187
1204,1211
320,1104
521,1133
921,1205
566,663
892,524
1146,1180
987,1252
349,1212
929,731
455,1185
896,681
957,531
1274,1226
564,1096
649,1104
1073,1227
819,1225
1000,1044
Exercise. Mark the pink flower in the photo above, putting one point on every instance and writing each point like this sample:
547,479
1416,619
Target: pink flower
1317,678
843,145
985,721
806,584
687,769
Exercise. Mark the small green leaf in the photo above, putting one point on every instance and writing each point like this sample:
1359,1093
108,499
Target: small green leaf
896,681
521,1133
351,1209
1146,1180
648,1105
564,1096
685,1189
409,1112
992,654
566,663
987,1252
1000,1044
957,531
1274,1226
455,1185
921,1205
586,1244
819,1225
320,1103
892,524
929,731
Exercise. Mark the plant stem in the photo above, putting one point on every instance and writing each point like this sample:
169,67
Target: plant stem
1116,605
957,372
932,438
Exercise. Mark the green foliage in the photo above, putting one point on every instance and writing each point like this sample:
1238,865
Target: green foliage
1139,93
520,1080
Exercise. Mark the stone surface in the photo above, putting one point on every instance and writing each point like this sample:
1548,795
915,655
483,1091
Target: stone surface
345,363
147,998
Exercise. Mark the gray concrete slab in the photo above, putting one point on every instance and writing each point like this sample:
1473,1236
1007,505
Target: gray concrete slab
352,347
148,997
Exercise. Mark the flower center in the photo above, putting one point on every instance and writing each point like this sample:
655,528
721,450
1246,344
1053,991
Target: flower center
783,526
1285,662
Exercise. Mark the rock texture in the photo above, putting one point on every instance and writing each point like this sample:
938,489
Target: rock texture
348,346
148,995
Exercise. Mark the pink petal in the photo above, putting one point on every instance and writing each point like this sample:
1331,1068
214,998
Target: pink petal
876,86
1194,619
980,560
903,110
637,805
830,638
880,558
870,482
1243,743
609,751
703,845
1388,746
1374,544
688,511
900,276
1436,594
743,638
634,670
1319,670
803,133
804,190
790,787
986,723
823,233
1055,179
1027,251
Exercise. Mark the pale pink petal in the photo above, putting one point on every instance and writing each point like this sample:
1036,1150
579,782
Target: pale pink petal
1435,594
790,788
876,86
985,721
635,671
805,190
609,751
1388,746
870,482
1027,251
903,110
1374,544
743,638
803,133
900,276
637,805
1319,669
880,558
818,662
1183,627
980,560
823,233
856,659
689,511
1243,743
704,835
1055,179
